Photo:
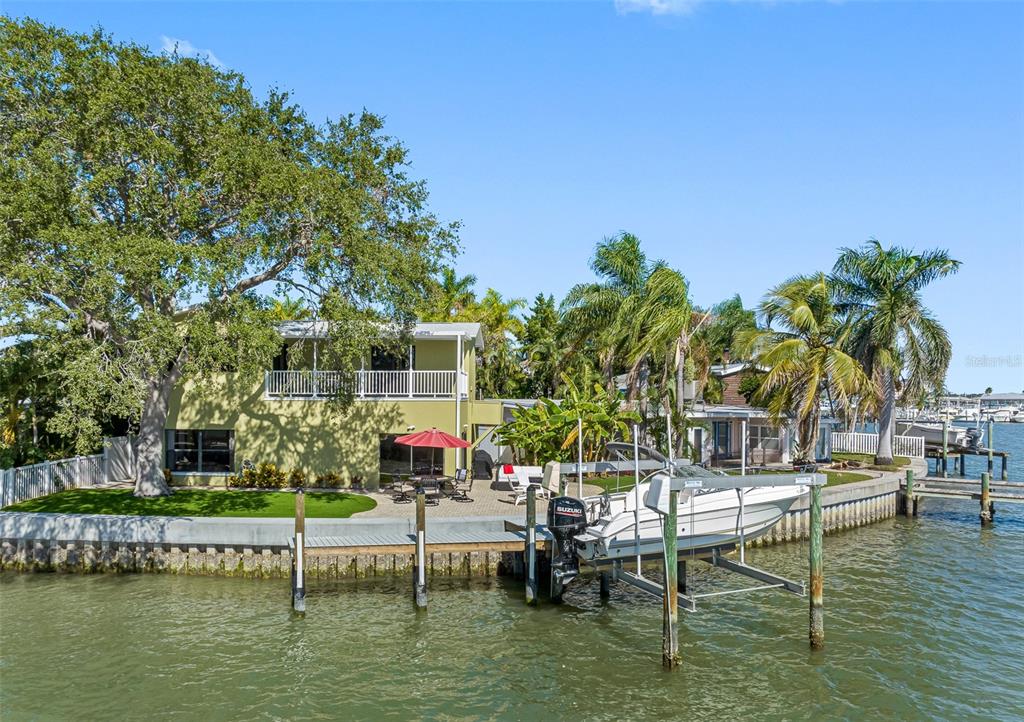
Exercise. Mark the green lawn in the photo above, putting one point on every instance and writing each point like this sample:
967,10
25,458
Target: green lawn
610,483
625,483
869,461
198,502
834,477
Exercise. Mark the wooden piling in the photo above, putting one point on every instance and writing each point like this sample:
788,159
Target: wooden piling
986,501
817,574
945,449
420,569
1003,475
990,445
681,575
606,584
298,566
908,495
670,598
531,545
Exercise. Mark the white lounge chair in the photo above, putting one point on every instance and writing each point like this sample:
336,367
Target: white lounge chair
546,481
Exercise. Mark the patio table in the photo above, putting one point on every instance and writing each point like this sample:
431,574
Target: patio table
432,484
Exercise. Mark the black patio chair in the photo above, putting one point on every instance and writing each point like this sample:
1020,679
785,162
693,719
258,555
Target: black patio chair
400,489
462,484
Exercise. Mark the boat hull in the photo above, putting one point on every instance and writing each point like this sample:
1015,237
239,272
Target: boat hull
703,520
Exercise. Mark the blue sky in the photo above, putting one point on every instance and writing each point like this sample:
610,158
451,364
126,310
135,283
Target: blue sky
743,142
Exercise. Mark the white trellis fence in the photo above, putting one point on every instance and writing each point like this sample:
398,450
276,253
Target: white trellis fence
860,443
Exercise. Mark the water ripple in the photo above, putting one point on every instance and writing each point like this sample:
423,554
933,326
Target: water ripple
923,621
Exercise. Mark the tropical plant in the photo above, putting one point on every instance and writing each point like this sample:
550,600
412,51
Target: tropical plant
500,374
148,198
902,346
659,332
450,297
541,347
289,309
803,358
548,430
596,315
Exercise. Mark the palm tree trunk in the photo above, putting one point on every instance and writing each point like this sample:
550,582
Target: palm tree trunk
680,438
886,420
608,367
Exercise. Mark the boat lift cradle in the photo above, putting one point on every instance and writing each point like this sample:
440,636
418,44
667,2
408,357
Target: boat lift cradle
657,499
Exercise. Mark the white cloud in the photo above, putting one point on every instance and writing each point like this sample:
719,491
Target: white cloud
185,48
656,7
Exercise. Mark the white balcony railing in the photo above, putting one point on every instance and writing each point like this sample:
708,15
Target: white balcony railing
362,384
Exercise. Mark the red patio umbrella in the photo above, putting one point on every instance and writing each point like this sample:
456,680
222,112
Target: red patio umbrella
433,439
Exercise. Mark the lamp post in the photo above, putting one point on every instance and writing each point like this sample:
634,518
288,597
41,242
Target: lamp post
409,430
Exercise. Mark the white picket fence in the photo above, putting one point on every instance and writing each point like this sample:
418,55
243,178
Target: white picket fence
28,482
860,443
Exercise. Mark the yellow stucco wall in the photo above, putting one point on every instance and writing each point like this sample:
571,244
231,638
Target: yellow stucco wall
319,436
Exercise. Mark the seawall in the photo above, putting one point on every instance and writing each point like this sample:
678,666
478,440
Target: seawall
88,543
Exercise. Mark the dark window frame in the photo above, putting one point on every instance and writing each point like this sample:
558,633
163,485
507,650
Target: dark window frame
171,450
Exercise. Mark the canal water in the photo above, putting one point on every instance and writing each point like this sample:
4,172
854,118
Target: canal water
924,620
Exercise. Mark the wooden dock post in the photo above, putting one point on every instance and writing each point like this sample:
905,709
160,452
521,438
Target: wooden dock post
987,507
670,598
420,570
606,584
681,576
531,544
908,495
817,574
945,448
991,445
1003,476
298,565
963,465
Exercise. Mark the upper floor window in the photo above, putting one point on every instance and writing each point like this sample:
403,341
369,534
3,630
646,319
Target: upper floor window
390,359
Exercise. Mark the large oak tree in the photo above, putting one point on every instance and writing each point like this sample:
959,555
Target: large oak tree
147,201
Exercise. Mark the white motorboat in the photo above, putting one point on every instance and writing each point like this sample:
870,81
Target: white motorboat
705,518
932,433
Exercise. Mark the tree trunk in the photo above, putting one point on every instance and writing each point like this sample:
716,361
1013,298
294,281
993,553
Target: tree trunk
608,368
886,419
149,462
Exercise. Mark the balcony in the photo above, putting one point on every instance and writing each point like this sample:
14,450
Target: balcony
364,384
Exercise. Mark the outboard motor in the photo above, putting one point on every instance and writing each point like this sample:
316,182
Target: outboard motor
975,436
567,517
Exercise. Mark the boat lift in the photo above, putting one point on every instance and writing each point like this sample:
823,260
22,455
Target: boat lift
663,496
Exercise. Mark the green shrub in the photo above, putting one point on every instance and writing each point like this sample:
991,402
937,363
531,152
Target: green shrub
264,476
330,480
297,479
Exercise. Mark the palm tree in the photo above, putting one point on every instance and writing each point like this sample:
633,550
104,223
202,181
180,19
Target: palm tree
597,314
893,335
661,327
803,357
450,298
502,375
289,309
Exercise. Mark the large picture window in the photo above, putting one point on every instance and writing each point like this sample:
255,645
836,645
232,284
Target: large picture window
397,459
201,451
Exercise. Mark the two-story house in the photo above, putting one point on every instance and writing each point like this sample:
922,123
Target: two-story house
286,418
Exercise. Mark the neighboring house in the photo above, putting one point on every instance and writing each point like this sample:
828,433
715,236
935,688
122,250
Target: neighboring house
285,418
721,442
